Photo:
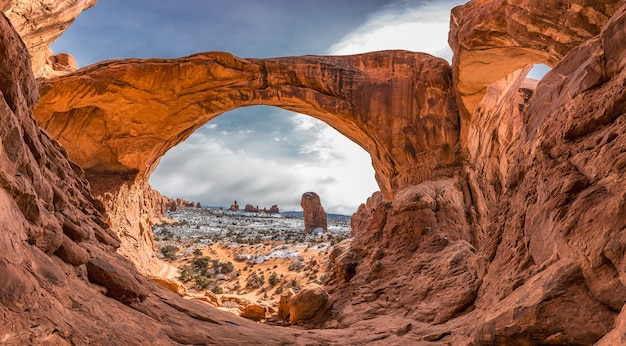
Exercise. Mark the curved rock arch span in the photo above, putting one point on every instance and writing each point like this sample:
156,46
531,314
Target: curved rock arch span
117,118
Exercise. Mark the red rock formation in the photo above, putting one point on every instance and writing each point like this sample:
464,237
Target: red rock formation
251,209
40,23
516,237
234,207
274,209
420,137
61,280
491,39
314,214
311,305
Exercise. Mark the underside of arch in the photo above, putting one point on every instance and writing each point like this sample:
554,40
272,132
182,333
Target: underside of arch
117,118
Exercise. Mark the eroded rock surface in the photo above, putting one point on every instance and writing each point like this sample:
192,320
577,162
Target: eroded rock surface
313,212
502,223
39,24
61,280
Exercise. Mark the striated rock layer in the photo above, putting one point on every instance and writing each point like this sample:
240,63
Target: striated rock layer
500,221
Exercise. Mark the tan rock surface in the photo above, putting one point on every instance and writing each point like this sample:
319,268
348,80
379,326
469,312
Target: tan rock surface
311,305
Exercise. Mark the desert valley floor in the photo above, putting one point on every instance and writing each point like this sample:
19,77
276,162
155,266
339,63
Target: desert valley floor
246,258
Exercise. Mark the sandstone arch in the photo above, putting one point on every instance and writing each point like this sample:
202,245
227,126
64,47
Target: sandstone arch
117,118
504,36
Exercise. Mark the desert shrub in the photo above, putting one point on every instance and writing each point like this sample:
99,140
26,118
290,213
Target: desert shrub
227,267
201,263
169,252
273,279
197,252
279,290
163,234
255,281
296,266
185,274
202,282
217,289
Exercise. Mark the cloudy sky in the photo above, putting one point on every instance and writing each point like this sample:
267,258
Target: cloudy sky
260,155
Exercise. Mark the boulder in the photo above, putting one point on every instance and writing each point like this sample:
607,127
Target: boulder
254,312
311,305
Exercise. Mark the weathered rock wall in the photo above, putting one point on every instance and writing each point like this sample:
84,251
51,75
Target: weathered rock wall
39,24
502,223
61,280
522,245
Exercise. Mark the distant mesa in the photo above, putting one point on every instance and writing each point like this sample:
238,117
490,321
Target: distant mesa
314,214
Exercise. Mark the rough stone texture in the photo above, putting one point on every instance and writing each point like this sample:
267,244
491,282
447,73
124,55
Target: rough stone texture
499,37
311,305
399,106
511,232
40,23
313,212
48,295
253,312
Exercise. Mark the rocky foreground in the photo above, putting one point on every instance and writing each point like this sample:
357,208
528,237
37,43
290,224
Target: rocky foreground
501,217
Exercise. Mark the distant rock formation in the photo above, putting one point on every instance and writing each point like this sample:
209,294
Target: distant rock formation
173,205
234,207
314,214
252,209
274,209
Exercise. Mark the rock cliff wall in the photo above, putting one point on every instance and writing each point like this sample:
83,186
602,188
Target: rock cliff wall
501,220
62,280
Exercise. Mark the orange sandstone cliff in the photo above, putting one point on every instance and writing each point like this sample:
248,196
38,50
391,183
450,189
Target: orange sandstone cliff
501,217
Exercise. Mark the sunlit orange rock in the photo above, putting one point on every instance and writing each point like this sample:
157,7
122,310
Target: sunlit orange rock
39,24
502,223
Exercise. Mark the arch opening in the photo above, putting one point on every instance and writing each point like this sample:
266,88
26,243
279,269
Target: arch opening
538,71
266,155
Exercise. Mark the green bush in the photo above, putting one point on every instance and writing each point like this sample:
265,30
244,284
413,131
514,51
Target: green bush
273,279
201,263
169,252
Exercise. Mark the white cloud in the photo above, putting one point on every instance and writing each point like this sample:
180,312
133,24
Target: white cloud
220,163
420,28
